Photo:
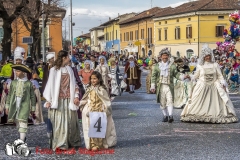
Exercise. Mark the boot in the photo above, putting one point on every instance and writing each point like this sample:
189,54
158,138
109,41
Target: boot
165,119
170,119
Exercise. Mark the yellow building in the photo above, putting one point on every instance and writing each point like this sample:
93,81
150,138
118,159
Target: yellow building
112,32
186,28
136,33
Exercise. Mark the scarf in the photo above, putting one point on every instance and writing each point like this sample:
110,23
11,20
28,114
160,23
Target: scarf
164,69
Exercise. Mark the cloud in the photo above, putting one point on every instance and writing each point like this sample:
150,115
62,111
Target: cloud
179,3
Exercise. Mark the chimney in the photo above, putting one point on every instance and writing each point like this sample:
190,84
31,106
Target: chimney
109,18
118,14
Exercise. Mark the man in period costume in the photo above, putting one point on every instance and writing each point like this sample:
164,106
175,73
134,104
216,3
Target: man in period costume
132,74
18,59
94,62
21,100
46,69
163,75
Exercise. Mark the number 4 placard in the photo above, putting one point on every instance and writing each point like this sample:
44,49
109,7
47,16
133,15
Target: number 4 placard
98,124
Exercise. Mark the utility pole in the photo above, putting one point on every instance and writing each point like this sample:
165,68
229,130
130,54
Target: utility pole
43,37
151,3
71,27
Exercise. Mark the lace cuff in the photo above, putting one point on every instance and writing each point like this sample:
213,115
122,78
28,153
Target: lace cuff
152,86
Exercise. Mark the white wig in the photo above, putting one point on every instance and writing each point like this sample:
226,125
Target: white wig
205,52
18,54
88,62
130,56
49,56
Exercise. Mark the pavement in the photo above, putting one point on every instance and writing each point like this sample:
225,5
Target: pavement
141,135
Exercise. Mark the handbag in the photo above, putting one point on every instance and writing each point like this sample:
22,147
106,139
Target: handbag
123,84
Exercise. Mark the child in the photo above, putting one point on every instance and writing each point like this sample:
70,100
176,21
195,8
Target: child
96,99
20,100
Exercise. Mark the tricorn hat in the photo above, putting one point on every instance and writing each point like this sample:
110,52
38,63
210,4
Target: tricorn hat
22,68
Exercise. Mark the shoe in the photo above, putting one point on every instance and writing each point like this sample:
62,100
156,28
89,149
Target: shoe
170,119
165,119
131,92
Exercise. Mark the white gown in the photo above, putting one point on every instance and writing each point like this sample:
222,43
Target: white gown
209,101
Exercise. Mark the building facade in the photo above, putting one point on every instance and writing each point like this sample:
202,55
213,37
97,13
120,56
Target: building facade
186,28
95,34
112,33
137,34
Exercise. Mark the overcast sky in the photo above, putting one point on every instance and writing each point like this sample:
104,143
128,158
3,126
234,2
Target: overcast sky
91,13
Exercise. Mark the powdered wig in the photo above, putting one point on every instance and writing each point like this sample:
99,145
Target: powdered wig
102,57
164,51
206,51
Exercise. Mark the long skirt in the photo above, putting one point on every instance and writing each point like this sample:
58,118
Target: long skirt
66,132
38,110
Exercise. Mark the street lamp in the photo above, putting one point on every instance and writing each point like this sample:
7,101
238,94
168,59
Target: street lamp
71,27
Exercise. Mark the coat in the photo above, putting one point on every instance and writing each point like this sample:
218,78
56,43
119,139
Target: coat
173,73
28,102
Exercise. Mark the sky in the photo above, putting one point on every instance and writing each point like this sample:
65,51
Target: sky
92,13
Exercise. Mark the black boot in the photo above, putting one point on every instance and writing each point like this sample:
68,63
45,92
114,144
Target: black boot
170,119
165,119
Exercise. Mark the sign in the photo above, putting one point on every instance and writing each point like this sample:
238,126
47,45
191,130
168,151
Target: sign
27,40
98,125
137,43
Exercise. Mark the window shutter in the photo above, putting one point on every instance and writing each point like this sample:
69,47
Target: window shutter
179,33
187,32
175,33
216,31
190,32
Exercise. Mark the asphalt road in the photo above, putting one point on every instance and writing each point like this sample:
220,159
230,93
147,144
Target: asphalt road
142,135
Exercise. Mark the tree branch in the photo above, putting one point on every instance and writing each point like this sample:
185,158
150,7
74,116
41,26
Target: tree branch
25,23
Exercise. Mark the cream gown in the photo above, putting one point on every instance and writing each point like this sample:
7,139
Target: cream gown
209,101
104,70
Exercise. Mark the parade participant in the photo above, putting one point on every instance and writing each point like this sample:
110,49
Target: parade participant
114,75
103,69
209,101
85,73
62,100
163,75
21,100
96,99
192,65
148,79
18,59
46,69
38,109
6,71
181,88
94,62
132,74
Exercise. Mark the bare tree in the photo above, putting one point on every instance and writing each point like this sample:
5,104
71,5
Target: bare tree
9,11
30,18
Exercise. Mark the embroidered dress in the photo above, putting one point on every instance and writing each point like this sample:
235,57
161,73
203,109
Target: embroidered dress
64,121
209,101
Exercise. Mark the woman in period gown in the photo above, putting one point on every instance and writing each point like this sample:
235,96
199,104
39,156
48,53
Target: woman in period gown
61,94
85,73
209,101
115,77
96,99
103,69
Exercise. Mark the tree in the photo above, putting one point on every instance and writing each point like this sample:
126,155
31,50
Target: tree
30,18
9,11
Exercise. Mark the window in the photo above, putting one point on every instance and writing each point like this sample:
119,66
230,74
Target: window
189,19
165,34
165,22
219,31
159,23
116,35
189,32
189,53
120,37
177,33
159,34
136,34
149,35
124,36
220,17
127,36
131,35
177,20
142,33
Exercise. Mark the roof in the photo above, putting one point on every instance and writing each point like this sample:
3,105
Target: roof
200,5
97,28
115,19
145,14
87,35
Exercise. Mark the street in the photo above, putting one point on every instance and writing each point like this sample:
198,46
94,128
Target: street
142,135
